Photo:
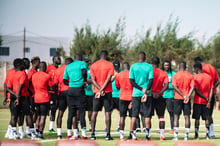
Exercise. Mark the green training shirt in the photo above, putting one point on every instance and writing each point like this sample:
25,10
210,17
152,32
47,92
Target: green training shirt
169,93
73,73
141,72
88,89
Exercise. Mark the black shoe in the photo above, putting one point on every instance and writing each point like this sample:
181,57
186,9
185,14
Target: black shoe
130,136
93,137
108,137
59,137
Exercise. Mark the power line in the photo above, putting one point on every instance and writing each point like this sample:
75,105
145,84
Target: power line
4,43
12,33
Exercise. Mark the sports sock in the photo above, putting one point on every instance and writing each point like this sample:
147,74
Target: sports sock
59,131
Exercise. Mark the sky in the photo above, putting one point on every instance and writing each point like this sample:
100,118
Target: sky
60,17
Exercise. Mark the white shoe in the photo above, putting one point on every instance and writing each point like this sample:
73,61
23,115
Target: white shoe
14,135
7,133
22,135
186,138
175,138
33,135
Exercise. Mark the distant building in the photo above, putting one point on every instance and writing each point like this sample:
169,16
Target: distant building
44,47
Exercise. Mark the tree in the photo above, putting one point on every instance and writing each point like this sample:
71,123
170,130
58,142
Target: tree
90,43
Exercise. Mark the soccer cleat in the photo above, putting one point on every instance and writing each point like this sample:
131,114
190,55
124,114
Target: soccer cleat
133,136
33,135
28,135
138,130
162,138
93,137
22,135
186,138
14,135
40,136
84,137
175,138
171,131
105,130
69,136
148,138
59,137
108,137
52,131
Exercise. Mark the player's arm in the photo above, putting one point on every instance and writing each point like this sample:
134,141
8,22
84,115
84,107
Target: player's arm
178,91
133,83
66,77
210,97
5,94
165,86
106,82
200,94
93,78
217,82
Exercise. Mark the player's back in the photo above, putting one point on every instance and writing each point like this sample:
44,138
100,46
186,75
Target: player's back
160,77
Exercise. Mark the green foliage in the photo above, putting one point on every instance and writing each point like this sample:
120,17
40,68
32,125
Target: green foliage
90,43
163,42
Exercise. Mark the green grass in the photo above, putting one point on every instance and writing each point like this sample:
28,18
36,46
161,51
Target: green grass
4,119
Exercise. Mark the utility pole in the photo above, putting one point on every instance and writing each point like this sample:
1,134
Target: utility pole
24,43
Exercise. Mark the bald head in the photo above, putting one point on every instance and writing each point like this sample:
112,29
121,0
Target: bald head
182,65
43,66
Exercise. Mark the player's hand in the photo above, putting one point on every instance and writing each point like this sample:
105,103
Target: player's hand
97,95
5,101
186,99
85,84
156,95
130,105
16,102
102,93
216,97
144,98
208,105
144,90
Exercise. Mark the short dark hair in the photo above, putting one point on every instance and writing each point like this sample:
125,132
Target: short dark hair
17,62
142,55
104,53
68,60
55,57
198,65
34,59
156,60
116,64
183,64
128,65
198,59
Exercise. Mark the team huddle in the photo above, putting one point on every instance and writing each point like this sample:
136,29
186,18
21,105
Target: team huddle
141,89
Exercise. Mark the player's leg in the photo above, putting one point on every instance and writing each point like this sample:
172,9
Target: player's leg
160,109
147,112
187,112
177,112
107,102
53,109
196,115
170,106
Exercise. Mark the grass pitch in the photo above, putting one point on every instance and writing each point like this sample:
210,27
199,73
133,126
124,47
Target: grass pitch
50,139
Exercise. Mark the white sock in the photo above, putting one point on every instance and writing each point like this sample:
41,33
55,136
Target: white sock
35,126
14,129
162,132
59,131
121,134
175,131
51,125
75,132
84,132
69,132
187,132
211,129
8,131
27,130
21,129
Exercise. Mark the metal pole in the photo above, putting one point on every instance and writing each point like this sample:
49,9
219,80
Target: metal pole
24,43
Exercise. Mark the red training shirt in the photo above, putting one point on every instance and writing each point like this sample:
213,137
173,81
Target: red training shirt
203,82
160,77
59,72
183,80
41,81
31,72
20,77
8,79
100,70
51,71
210,70
122,81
